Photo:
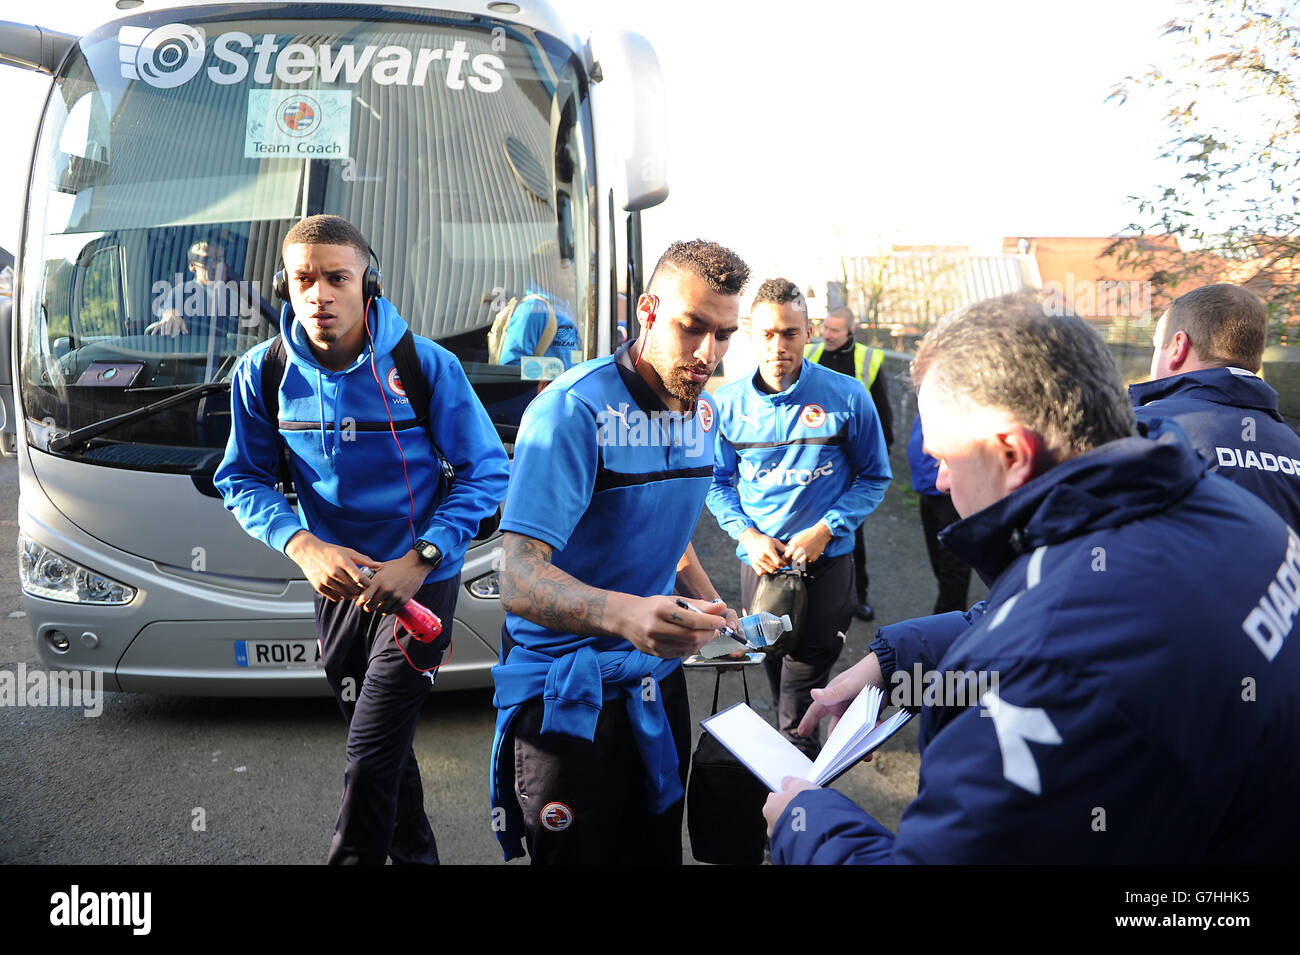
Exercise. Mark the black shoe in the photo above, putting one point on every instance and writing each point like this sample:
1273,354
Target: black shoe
864,612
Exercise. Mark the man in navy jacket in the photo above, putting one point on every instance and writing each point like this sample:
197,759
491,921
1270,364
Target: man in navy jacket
352,436
1143,702
1208,348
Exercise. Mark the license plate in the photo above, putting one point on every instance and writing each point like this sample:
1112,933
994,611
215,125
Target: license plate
277,653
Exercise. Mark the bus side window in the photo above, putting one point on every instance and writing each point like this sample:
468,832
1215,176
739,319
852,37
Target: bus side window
98,306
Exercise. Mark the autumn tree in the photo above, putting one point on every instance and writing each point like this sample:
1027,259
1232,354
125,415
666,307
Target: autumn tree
1232,85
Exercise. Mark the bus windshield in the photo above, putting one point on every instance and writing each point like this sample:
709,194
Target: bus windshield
174,157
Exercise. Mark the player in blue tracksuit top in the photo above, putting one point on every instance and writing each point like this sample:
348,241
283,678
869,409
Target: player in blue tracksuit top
528,324
612,463
1146,706
800,462
1208,349
340,401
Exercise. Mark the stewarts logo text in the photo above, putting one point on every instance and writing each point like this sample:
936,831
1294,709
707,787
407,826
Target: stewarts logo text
174,54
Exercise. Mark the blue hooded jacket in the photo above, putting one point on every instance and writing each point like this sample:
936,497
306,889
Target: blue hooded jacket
528,321
1147,703
346,467
1232,419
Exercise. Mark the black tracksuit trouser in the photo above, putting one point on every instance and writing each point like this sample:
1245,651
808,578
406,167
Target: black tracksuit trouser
380,688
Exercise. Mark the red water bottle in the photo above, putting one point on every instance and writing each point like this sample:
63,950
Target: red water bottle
421,622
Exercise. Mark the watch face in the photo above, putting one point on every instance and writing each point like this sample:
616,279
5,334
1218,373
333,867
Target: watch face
428,552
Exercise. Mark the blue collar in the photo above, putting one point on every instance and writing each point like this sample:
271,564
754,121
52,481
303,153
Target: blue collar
1224,386
637,387
791,394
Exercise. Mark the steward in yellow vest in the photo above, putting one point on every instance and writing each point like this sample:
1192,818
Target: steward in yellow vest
863,363
866,363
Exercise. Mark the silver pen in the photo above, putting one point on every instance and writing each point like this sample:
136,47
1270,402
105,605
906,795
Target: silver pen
724,631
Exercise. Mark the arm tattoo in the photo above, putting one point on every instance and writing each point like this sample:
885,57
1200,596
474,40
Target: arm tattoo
534,589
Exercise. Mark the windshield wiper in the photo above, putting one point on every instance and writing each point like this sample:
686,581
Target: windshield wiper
75,439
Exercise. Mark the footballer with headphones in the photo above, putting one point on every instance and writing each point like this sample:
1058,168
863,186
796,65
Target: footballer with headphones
382,485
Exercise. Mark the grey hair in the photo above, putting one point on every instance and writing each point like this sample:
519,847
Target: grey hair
1053,374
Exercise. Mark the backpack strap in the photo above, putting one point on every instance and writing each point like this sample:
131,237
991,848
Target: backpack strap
418,392
416,385
548,334
272,376
497,333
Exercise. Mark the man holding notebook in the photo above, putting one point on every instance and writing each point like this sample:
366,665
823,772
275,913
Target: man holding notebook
1147,703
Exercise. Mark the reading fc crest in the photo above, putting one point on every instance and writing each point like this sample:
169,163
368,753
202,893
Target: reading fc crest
814,416
298,115
556,816
705,411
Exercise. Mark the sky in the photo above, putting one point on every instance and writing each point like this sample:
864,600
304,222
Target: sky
798,133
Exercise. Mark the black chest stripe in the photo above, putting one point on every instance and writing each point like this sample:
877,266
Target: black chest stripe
839,437
607,480
403,425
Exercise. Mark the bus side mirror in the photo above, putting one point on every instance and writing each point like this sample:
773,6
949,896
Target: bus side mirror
33,48
632,108
83,157
564,227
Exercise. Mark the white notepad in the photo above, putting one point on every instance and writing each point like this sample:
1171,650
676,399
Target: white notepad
771,757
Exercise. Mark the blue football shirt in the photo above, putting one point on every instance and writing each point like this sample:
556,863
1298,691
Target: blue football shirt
613,481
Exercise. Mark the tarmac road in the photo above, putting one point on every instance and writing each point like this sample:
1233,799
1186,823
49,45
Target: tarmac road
218,780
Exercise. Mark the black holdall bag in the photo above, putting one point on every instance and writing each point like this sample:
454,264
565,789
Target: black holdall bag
724,801
782,593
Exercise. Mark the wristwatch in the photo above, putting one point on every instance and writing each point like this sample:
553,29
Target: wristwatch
429,553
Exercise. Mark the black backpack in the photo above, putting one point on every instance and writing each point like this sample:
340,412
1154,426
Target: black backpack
724,800
417,390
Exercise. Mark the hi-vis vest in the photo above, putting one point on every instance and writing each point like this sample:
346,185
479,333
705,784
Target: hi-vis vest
814,353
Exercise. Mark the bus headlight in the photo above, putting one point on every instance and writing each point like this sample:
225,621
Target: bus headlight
485,587
43,573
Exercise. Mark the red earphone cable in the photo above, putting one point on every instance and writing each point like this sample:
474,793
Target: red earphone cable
392,428
450,648
645,332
